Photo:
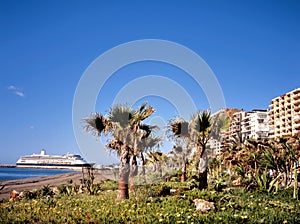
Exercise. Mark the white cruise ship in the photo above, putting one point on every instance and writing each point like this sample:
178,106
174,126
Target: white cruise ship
42,160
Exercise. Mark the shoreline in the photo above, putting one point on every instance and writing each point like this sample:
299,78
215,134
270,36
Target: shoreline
28,184
44,167
7,166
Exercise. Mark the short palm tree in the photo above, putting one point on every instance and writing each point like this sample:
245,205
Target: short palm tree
178,131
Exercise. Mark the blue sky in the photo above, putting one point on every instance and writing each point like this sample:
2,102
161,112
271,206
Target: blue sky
253,48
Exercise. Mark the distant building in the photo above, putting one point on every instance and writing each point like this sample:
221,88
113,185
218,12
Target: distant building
241,126
215,146
285,115
235,128
255,124
216,143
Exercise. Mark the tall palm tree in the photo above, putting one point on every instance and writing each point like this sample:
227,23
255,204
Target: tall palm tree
124,130
200,129
194,134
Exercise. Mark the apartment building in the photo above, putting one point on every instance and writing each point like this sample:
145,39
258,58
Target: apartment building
216,144
235,128
284,115
242,126
255,124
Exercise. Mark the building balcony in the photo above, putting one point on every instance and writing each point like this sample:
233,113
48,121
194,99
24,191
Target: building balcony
297,102
297,119
296,96
296,91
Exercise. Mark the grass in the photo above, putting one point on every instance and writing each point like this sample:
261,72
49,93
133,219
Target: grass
155,204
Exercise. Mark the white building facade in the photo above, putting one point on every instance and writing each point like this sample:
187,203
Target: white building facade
255,124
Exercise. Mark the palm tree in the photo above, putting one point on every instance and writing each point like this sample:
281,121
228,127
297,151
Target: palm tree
193,134
281,155
147,144
156,159
200,129
124,130
178,130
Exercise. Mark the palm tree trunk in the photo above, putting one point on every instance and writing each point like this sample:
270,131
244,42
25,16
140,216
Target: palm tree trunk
124,174
202,170
143,170
133,173
203,180
183,170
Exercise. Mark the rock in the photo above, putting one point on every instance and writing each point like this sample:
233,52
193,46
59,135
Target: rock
14,195
55,190
227,189
173,191
202,205
80,190
21,195
237,183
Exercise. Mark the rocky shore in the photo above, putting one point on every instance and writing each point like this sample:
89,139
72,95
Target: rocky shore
55,180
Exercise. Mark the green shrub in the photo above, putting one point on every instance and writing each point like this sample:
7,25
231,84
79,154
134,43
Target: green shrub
109,185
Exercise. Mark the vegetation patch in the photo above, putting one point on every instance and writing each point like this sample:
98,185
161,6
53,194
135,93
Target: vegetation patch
154,204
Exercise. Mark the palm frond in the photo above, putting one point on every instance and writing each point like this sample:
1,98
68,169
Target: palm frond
97,124
142,113
121,115
202,121
180,128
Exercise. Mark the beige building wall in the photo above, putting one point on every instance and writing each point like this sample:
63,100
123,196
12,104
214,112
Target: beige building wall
284,115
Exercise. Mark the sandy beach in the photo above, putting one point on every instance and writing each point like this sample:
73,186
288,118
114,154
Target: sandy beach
55,180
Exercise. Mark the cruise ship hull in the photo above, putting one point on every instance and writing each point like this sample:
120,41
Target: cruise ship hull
53,166
68,161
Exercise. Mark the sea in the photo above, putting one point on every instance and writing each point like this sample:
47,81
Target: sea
22,173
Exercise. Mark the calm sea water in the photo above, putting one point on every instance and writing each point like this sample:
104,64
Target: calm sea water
22,173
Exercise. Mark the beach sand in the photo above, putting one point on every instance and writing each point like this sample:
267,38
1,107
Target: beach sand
55,180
